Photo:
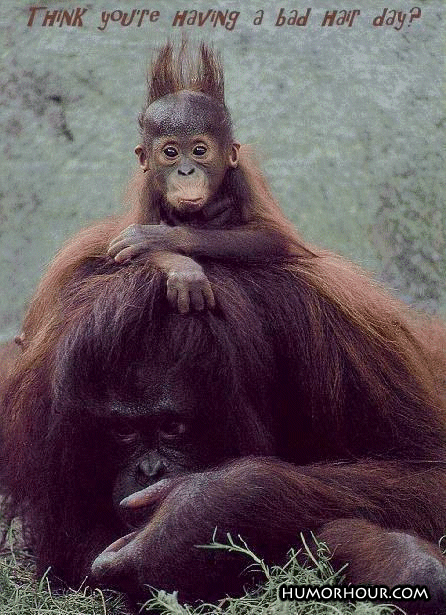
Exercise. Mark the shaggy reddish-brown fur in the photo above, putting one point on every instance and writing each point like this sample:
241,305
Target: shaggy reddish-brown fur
320,396
351,415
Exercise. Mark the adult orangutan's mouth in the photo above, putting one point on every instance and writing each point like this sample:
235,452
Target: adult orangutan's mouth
191,205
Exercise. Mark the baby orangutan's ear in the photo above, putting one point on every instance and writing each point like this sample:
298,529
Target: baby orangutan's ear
143,159
234,155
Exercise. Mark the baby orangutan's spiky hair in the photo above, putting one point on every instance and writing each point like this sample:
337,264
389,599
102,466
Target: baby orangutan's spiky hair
174,70
185,93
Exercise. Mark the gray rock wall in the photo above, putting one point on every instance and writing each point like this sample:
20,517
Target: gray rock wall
349,121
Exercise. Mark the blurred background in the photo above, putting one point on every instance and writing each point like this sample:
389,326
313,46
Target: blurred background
349,123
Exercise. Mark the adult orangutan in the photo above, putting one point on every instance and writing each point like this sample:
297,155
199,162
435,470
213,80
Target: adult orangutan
306,400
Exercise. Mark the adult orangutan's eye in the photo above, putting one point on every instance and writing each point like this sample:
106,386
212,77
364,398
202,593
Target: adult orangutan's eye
172,429
122,436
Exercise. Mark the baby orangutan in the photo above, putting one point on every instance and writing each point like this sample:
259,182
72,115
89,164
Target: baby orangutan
199,198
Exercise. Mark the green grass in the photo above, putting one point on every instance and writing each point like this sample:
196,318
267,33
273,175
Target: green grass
22,594
317,571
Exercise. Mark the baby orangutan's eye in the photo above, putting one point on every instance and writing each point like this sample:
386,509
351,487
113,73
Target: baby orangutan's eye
199,150
170,151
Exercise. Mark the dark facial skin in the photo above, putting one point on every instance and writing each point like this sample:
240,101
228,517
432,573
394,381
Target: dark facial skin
188,147
187,169
149,453
164,432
